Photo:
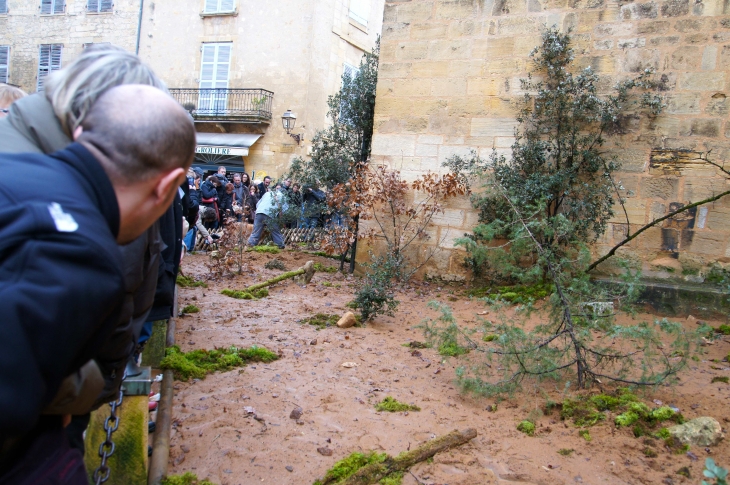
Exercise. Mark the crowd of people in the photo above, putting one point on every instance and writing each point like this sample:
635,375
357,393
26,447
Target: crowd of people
220,200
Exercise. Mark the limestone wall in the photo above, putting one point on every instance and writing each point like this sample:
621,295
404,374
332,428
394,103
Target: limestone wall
449,83
24,29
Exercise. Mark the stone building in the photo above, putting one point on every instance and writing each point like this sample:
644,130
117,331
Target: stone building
449,83
39,36
239,65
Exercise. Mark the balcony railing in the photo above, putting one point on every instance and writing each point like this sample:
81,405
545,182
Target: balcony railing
223,104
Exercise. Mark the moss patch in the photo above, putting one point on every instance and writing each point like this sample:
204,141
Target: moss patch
348,466
514,294
527,427
190,309
452,349
265,249
490,338
188,282
417,345
275,264
390,405
321,320
585,434
186,478
720,379
246,295
199,363
319,267
723,330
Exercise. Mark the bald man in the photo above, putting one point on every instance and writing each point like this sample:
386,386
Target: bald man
61,275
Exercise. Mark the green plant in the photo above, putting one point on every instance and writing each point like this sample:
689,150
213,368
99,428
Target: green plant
186,478
275,264
376,295
319,267
649,453
526,427
566,451
723,379
199,363
265,249
391,405
585,434
723,329
246,295
489,338
715,472
189,282
626,419
348,466
190,309
321,320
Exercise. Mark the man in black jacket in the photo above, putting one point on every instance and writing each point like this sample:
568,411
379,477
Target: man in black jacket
61,274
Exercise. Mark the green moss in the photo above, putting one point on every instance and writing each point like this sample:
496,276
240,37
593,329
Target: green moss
393,479
348,466
321,320
566,451
640,409
604,402
415,344
514,294
649,453
585,434
639,430
581,412
188,282
527,427
662,434
723,329
265,249
684,471
390,405
319,267
246,295
190,309
490,338
185,479
720,379
199,363
661,414
626,419
452,349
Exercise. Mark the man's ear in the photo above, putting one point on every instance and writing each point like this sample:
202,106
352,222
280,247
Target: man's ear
77,132
168,183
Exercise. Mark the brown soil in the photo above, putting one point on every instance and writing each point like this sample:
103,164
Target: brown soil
216,437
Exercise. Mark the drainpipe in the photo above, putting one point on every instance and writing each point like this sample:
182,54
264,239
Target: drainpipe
139,25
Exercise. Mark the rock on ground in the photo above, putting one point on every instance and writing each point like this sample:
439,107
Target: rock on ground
347,320
703,431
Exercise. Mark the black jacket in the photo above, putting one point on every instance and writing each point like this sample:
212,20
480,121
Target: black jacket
171,232
208,191
61,278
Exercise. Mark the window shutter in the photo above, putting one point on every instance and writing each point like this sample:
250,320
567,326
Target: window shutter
226,6
350,71
92,5
49,61
3,6
360,10
58,6
211,6
4,59
56,57
106,5
46,6
207,67
223,66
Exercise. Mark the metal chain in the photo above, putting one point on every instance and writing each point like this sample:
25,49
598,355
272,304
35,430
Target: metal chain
107,447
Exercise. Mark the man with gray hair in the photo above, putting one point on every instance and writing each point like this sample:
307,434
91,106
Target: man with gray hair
44,123
61,271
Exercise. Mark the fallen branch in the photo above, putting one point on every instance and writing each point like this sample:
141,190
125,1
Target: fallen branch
652,224
255,291
375,472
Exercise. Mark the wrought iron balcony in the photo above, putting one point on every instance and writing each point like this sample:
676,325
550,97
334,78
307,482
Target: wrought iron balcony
223,104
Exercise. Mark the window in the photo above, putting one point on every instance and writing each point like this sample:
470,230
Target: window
99,6
214,69
49,7
350,71
360,11
4,61
218,6
49,61
3,6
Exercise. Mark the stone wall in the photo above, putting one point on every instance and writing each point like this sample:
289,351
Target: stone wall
449,83
24,29
297,49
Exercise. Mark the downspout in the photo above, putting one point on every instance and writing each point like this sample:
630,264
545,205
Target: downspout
139,25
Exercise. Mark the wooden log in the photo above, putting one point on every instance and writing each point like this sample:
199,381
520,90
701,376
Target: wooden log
377,471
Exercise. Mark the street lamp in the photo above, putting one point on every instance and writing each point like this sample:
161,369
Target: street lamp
289,119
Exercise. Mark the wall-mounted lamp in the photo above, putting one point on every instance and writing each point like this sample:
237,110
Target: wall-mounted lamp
289,119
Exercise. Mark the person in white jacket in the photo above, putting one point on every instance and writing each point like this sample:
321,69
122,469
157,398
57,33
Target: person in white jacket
271,205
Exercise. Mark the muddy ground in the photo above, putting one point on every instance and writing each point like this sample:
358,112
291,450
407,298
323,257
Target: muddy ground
216,436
